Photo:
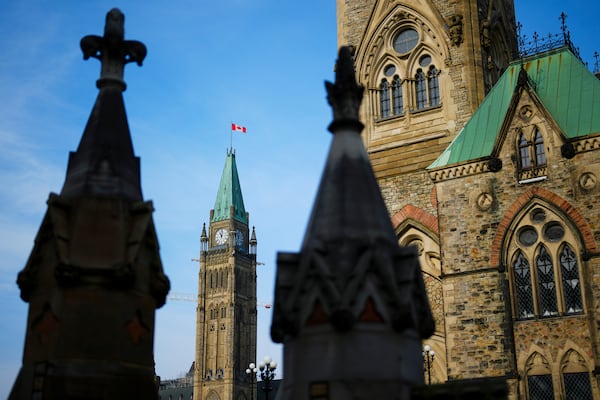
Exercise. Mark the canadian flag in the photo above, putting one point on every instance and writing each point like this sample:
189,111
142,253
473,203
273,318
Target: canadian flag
239,128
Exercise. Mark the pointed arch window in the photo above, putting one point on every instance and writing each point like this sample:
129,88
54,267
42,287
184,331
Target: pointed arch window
524,155
571,282
540,152
420,89
577,386
397,102
384,98
547,287
524,294
539,378
540,387
576,376
545,269
532,155
433,86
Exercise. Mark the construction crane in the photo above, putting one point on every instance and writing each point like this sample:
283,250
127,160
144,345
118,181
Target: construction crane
194,299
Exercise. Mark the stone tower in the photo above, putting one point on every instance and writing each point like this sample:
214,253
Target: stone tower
426,66
94,277
226,312
498,193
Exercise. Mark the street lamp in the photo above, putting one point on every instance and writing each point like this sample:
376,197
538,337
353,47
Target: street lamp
428,356
251,371
267,374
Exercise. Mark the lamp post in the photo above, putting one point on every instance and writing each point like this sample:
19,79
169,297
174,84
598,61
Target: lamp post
267,374
428,356
251,371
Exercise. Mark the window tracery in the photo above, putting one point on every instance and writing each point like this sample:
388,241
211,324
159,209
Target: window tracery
532,154
408,54
545,269
576,377
420,89
539,378
397,96
384,98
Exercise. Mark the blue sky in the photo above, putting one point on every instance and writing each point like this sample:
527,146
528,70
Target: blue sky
258,63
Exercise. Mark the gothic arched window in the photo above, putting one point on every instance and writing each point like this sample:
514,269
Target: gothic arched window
576,377
545,269
546,284
420,89
398,106
433,86
570,277
539,378
540,153
524,155
384,98
523,290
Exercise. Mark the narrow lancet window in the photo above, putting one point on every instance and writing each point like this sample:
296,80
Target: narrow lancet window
398,108
571,282
523,288
420,90
433,86
546,283
384,100
540,387
524,155
540,153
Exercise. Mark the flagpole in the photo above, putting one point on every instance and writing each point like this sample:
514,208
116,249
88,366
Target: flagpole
231,138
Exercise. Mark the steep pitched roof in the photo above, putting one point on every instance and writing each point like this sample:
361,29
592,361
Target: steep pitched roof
104,163
230,193
566,88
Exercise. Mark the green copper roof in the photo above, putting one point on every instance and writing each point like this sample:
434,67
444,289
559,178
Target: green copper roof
230,193
567,89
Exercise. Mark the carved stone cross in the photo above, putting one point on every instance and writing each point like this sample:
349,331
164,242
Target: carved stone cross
113,51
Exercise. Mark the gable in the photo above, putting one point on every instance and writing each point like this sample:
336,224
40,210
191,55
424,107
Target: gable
566,89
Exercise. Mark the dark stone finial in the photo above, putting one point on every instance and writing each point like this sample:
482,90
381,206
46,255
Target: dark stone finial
567,150
495,164
345,95
113,51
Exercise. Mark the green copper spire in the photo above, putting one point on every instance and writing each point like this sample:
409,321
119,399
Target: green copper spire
230,193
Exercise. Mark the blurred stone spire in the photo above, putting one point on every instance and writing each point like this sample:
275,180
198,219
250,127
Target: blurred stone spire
104,163
94,277
351,293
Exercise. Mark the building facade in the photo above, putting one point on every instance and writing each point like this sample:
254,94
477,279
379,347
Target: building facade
226,311
488,163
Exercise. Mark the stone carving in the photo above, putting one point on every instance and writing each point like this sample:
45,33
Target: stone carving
112,50
485,201
456,29
588,181
345,95
526,112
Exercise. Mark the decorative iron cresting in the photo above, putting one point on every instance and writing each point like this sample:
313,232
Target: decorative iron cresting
539,44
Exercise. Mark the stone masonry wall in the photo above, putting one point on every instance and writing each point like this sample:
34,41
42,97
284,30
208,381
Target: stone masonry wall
472,238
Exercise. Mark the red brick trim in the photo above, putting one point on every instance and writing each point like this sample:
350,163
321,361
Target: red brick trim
556,200
411,212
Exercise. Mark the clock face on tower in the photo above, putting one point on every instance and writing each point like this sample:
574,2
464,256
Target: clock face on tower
221,236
